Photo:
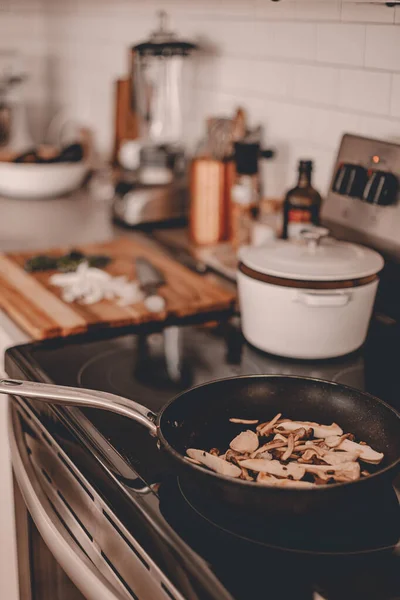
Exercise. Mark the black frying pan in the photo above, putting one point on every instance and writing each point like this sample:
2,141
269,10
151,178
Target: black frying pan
199,418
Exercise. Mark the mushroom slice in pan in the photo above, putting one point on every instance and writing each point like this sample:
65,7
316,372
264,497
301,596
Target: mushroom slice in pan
311,446
365,452
334,441
338,458
233,456
266,455
215,451
192,460
349,471
245,475
265,428
244,421
274,467
247,441
308,456
290,447
278,437
320,431
215,463
265,479
329,456
269,446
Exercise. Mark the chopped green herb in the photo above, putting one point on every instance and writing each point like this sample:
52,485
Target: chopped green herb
67,263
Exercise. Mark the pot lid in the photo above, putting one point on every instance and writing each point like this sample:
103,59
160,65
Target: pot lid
312,258
164,42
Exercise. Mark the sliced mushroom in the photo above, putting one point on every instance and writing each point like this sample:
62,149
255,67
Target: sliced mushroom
245,421
215,451
280,438
247,441
349,471
267,455
233,456
266,479
274,467
288,452
320,431
308,456
269,446
245,475
338,458
192,460
334,441
311,446
215,463
365,452
265,428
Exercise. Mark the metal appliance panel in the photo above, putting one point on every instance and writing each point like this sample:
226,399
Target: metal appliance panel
355,219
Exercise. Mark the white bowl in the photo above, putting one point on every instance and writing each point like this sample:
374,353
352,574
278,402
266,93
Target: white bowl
19,180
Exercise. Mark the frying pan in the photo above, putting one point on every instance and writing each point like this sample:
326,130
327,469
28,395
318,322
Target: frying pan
199,418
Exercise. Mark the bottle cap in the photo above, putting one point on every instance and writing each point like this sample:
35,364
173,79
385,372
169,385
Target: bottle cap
306,164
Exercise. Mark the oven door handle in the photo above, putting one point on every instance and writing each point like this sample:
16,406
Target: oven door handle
90,582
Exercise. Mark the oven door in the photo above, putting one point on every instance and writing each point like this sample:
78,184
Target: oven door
58,566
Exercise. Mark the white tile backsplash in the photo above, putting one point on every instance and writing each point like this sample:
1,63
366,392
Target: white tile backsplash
341,43
395,97
367,13
308,70
316,84
382,49
365,91
288,40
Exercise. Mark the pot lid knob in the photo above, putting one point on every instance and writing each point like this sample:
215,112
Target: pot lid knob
313,237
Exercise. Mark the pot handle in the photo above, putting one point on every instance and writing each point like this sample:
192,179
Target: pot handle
70,396
326,300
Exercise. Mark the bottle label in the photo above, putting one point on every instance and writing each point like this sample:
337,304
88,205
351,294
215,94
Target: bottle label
297,218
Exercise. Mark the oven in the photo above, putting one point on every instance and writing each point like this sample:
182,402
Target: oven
70,545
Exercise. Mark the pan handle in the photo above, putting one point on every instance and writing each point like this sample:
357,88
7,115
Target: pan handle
70,396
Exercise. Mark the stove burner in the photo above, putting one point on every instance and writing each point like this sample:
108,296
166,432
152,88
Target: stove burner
361,530
136,372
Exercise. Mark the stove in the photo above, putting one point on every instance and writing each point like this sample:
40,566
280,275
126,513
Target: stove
204,552
128,510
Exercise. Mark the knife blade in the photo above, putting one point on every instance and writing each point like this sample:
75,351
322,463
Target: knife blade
150,279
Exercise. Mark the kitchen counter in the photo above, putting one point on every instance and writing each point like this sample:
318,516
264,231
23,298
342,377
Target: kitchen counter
31,225
37,225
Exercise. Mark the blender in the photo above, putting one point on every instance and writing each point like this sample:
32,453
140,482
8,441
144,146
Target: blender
155,190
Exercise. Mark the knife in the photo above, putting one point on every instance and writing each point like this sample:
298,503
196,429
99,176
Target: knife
150,279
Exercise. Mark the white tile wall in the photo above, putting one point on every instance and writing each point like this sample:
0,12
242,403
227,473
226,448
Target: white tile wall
365,91
23,29
341,43
308,70
395,99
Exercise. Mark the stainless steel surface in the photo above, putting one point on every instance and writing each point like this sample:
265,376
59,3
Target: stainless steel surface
152,204
158,85
41,224
360,221
113,565
150,278
64,548
70,396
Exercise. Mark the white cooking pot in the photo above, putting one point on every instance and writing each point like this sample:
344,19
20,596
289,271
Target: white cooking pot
308,299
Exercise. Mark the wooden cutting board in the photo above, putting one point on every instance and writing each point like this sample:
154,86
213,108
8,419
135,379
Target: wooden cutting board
37,307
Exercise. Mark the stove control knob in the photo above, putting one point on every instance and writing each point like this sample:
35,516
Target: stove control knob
381,189
350,180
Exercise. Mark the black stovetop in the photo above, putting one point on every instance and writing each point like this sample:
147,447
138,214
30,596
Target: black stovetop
207,552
